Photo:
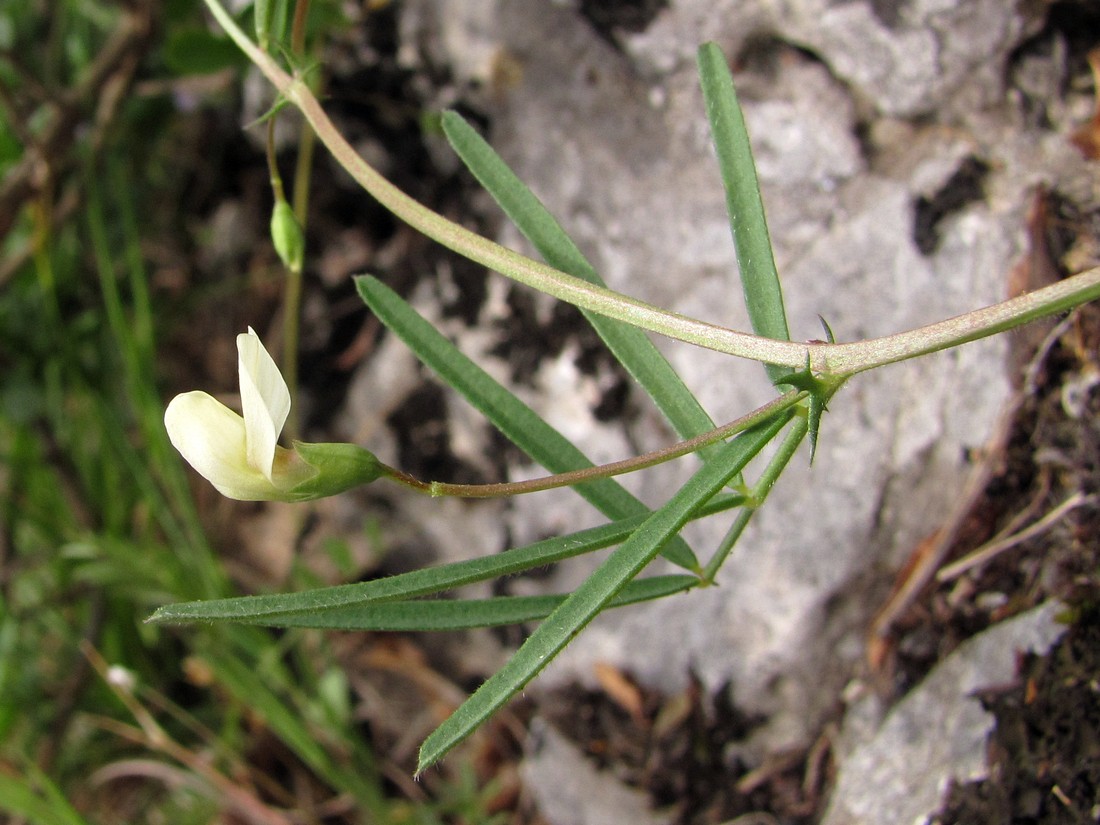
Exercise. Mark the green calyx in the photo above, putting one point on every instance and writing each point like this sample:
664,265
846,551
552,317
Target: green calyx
338,467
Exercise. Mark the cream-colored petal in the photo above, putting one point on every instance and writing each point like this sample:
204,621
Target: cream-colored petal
265,401
211,437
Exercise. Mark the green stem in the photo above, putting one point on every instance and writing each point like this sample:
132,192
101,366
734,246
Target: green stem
292,301
273,164
514,488
830,359
756,497
302,172
307,140
292,296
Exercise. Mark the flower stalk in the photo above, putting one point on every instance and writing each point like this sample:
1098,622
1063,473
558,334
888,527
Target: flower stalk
629,465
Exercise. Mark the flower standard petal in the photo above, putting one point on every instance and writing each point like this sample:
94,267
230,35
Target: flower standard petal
265,401
211,437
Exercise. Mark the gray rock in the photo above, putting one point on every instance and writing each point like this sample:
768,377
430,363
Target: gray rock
567,788
632,175
903,57
616,144
897,772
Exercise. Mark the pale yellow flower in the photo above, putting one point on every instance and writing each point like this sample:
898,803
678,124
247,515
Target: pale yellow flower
240,455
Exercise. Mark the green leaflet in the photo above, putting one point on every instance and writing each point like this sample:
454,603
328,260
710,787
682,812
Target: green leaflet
597,590
519,423
417,582
461,614
759,278
629,344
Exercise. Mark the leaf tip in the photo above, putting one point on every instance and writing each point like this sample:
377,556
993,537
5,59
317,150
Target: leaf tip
162,615
425,758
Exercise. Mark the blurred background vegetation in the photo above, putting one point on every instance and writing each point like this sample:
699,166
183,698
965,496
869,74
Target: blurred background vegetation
118,123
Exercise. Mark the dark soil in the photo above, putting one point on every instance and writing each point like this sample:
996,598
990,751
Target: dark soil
1044,755
682,750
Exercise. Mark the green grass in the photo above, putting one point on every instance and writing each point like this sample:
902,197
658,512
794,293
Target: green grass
100,531
97,522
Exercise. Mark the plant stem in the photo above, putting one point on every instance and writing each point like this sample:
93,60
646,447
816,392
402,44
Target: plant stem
513,488
306,137
756,497
298,27
828,359
292,296
292,301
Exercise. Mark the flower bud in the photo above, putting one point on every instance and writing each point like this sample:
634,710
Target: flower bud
286,234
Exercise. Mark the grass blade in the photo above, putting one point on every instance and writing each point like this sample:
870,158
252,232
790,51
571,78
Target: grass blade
36,799
597,591
264,686
629,344
461,614
417,582
518,422
759,278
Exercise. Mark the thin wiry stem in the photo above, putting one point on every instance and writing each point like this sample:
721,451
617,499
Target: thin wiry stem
628,465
